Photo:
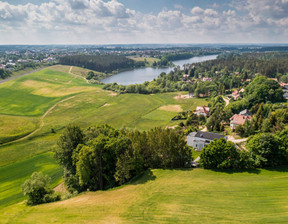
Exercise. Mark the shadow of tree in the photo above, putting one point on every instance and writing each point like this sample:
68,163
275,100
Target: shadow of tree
142,178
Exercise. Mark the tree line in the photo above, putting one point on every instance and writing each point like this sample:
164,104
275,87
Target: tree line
100,63
262,150
268,64
164,83
102,157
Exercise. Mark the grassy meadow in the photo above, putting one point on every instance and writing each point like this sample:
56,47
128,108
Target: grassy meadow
149,60
51,99
172,196
14,175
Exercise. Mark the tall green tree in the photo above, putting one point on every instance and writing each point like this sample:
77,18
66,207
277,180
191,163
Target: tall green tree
267,149
219,154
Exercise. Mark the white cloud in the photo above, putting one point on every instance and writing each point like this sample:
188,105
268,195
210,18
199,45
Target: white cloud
101,21
197,10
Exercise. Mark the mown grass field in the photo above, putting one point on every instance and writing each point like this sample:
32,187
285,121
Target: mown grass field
24,102
13,127
14,175
149,60
173,196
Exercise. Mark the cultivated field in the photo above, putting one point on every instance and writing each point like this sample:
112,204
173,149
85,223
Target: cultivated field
41,104
173,196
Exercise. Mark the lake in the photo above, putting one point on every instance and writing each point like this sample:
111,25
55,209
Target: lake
138,76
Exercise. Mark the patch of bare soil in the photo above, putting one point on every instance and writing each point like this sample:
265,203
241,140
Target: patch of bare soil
171,108
179,97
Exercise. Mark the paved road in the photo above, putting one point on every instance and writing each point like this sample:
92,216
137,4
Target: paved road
226,101
17,76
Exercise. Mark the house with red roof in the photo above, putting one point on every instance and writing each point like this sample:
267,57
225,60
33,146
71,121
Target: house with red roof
238,119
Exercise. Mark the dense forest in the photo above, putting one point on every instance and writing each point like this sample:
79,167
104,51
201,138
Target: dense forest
102,157
100,63
268,64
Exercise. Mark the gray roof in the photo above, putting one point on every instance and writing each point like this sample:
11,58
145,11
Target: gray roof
206,135
245,112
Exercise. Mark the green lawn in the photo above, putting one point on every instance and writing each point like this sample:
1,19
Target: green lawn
14,175
173,196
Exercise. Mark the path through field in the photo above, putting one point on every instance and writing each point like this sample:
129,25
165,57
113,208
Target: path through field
41,122
70,72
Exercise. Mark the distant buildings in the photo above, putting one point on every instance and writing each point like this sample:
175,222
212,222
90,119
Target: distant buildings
239,119
236,95
198,140
207,79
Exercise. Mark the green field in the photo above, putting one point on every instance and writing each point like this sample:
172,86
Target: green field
14,175
149,60
51,99
173,196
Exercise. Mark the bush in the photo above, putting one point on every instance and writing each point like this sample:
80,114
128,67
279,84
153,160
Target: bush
219,154
37,189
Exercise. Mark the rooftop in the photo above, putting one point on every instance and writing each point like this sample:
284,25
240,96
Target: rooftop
206,135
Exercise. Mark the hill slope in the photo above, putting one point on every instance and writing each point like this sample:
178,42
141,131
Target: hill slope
173,196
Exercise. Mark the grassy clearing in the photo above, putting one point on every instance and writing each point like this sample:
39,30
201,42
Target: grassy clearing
13,176
86,109
173,196
27,148
149,60
14,127
75,70
33,94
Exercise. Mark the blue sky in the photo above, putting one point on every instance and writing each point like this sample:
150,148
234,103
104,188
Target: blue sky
143,21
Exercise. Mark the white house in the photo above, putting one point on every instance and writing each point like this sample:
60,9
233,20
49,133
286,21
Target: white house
198,140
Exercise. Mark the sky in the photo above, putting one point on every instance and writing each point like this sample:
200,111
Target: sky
143,21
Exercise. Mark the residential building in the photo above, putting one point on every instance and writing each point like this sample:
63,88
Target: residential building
207,79
236,95
246,113
238,119
198,140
